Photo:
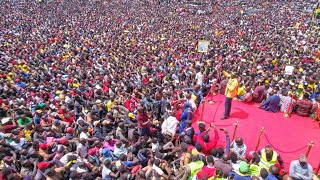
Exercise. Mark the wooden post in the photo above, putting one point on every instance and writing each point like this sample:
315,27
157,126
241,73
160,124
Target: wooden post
259,140
318,169
235,130
309,148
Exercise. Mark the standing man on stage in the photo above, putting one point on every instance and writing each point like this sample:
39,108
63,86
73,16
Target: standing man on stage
231,92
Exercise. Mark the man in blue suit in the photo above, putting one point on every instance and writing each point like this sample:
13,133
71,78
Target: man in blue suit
271,104
186,115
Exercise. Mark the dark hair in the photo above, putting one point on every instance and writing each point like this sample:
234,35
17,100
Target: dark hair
214,152
233,157
210,159
220,151
263,173
198,147
306,96
256,158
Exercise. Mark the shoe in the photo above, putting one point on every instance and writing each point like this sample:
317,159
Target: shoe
223,118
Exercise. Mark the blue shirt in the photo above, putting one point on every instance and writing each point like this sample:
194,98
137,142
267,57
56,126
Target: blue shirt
36,120
239,177
314,95
271,104
185,114
300,172
271,177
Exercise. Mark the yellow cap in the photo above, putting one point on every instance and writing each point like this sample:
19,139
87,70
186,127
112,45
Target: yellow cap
300,86
131,115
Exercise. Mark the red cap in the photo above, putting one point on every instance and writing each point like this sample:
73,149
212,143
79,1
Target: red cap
43,146
63,141
43,165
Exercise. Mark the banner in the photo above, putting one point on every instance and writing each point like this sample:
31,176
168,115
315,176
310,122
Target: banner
203,46
289,70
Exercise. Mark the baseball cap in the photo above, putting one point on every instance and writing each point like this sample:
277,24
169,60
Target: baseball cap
244,167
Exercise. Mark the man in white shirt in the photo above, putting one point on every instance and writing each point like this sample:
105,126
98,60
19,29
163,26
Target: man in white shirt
199,78
17,143
170,125
238,147
82,148
191,101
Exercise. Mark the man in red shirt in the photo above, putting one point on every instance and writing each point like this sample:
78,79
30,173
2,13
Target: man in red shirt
208,170
204,140
143,122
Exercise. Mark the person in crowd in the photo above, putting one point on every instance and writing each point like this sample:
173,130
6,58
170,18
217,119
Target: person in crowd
269,157
81,101
238,147
300,169
243,172
271,104
304,106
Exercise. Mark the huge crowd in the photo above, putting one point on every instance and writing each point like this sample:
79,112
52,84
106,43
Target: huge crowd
107,89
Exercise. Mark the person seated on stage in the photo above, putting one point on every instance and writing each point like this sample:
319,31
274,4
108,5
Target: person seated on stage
259,92
271,104
238,147
316,110
247,97
269,157
304,106
287,103
300,169
241,91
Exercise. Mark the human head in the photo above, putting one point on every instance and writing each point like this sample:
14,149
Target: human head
274,170
287,177
225,157
202,127
269,150
302,160
205,137
263,173
239,141
209,159
214,152
233,157
220,151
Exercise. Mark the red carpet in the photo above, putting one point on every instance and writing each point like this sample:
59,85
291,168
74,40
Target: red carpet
288,136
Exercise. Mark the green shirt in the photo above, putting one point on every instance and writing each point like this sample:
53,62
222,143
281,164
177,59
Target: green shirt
25,121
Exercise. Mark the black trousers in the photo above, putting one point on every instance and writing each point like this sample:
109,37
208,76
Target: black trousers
227,107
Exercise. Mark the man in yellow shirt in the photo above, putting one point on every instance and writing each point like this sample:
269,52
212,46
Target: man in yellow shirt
231,92
111,103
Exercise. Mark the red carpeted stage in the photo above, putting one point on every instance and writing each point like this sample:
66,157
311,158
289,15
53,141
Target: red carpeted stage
288,136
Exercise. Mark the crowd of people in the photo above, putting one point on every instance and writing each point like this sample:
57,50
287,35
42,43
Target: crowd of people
107,89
